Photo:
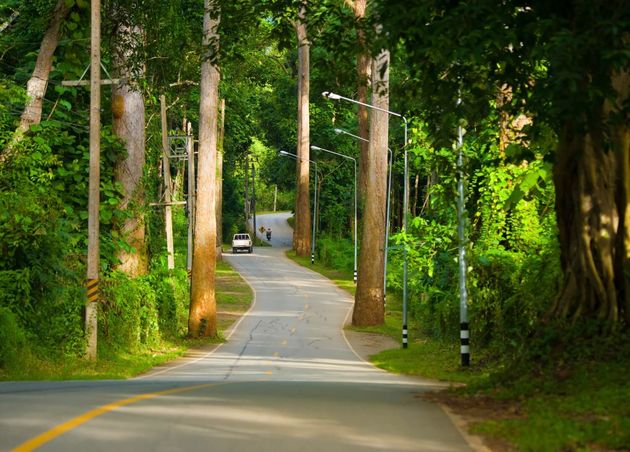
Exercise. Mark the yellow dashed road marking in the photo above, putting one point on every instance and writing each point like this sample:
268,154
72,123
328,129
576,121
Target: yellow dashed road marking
60,429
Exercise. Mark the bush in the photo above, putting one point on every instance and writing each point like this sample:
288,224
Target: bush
173,299
139,312
336,253
13,343
129,312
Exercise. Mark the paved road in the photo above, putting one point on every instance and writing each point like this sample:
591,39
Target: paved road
286,380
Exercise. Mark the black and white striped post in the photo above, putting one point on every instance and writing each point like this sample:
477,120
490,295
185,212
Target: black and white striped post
405,336
464,332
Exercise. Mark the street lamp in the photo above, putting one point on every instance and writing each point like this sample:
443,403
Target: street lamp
389,190
333,96
288,154
317,148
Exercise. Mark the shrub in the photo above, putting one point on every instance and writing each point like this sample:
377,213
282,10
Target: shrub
336,253
13,343
140,312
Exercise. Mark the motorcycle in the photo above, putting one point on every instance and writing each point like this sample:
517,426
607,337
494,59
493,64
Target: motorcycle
268,235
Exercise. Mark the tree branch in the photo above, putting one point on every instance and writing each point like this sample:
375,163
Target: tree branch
9,21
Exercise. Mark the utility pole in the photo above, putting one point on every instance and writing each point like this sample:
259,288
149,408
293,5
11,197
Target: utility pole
190,145
247,189
254,197
168,214
91,309
275,198
220,152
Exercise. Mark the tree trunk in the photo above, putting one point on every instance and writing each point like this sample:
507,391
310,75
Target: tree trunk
369,306
592,182
37,84
202,319
128,124
363,84
621,82
416,187
302,236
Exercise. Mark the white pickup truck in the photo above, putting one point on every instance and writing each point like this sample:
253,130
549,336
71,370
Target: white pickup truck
241,242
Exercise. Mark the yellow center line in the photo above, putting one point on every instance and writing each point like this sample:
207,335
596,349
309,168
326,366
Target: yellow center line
60,429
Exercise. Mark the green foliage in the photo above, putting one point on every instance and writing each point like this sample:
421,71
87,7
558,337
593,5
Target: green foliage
14,347
512,250
569,380
137,313
335,253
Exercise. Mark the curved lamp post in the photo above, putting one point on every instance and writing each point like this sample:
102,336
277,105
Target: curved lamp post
288,154
333,96
389,190
317,148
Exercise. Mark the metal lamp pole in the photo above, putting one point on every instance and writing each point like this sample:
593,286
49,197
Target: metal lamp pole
334,96
389,191
288,154
317,148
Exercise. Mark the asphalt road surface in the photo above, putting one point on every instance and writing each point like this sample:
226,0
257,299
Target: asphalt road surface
286,380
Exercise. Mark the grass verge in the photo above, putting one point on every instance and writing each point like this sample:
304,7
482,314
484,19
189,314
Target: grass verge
521,402
340,278
234,296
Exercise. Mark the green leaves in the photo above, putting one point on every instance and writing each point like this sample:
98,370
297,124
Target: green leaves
536,176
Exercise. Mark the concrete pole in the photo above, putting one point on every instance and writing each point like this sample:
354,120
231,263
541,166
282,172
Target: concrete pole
191,195
219,181
275,198
94,183
168,214
314,215
254,199
247,206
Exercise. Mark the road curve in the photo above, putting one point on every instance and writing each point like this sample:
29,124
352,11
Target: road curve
285,380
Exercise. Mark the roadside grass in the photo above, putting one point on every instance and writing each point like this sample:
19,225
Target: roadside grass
234,296
582,407
437,360
342,279
521,402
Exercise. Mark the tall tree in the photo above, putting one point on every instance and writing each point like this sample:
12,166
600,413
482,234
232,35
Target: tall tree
363,83
369,304
129,125
302,236
38,82
202,319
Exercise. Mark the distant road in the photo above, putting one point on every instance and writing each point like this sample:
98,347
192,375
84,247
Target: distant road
281,232
286,380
